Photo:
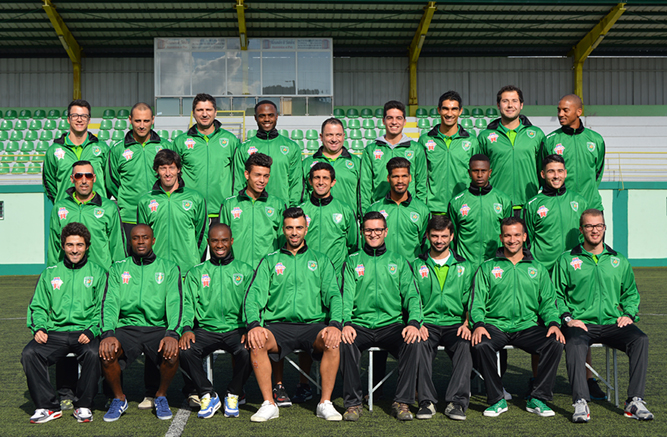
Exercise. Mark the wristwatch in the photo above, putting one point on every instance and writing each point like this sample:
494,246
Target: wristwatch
567,319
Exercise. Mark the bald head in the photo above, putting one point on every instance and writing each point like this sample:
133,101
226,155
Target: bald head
573,99
569,111
215,228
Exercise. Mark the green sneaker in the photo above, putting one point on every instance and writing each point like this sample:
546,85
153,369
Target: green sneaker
66,404
538,407
496,409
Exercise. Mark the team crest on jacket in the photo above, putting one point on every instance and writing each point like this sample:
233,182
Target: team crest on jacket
466,145
59,153
205,280
190,143
498,208
460,270
99,212
591,147
280,268
349,164
252,150
158,148
269,211
615,262
284,150
493,137
159,277
56,283
224,142
307,220
532,272
360,270
423,271
414,216
531,133
126,277
187,204
542,211
88,281
378,153
312,265
97,151
127,154
337,217
576,263
430,145
62,213
392,268
464,210
497,272
237,278
236,212
384,213
574,205
409,155
153,205
559,149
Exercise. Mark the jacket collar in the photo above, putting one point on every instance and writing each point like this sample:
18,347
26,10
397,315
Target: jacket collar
387,198
552,192
320,202
78,265
567,130
495,123
579,250
435,132
158,187
378,251
405,141
457,258
129,138
96,200
262,135
320,153
527,256
193,132
244,195
145,260
303,249
222,261
91,139
476,191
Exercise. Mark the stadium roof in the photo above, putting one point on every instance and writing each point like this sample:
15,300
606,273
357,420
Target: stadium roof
358,28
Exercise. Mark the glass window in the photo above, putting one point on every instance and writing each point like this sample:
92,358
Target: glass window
278,73
209,73
246,104
168,106
243,72
174,73
314,73
320,106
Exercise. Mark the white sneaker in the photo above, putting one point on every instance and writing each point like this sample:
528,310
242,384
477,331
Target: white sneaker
43,415
147,404
83,415
327,411
267,411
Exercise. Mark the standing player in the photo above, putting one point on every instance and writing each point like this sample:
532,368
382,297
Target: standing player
512,144
287,181
177,213
598,301
64,317
582,149
448,147
393,144
207,152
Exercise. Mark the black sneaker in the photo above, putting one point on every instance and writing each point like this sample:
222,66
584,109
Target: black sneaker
426,410
531,387
595,391
455,411
280,396
303,393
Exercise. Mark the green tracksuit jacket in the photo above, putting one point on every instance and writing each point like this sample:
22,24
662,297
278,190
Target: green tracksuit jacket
58,162
406,224
511,297
101,218
294,289
286,181
378,289
476,214
552,219
583,151
130,171
515,167
67,298
448,305
348,171
373,183
143,292
596,292
332,228
214,292
208,163
179,223
256,225
447,165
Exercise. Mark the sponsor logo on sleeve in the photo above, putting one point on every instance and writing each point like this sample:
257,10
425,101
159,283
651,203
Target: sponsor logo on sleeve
465,209
576,263
430,145
542,211
205,280
56,283
559,149
190,143
252,150
236,212
62,213
59,153
497,272
280,269
360,270
378,153
127,154
493,137
153,205
308,220
423,271
384,213
126,277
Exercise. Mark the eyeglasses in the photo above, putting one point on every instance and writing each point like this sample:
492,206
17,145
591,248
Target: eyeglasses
78,176
369,231
79,116
599,227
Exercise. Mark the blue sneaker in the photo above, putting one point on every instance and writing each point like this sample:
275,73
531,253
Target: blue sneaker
231,405
162,410
116,408
208,406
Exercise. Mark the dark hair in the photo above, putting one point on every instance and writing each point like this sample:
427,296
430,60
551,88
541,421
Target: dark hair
167,157
142,107
591,211
203,97
332,120
440,223
82,162
397,162
509,221
75,228
258,159
219,225
373,215
393,104
78,102
265,102
478,157
322,166
450,95
507,88
552,158
292,213
144,225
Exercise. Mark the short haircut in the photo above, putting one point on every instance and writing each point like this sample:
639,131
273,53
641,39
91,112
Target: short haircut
218,226
203,97
322,166
265,102
78,102
552,158
167,157
397,162
440,223
478,157
332,120
450,95
510,221
293,213
393,104
141,106
82,162
591,211
373,215
507,88
75,228
258,159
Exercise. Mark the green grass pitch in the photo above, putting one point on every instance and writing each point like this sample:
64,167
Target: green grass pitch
299,420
